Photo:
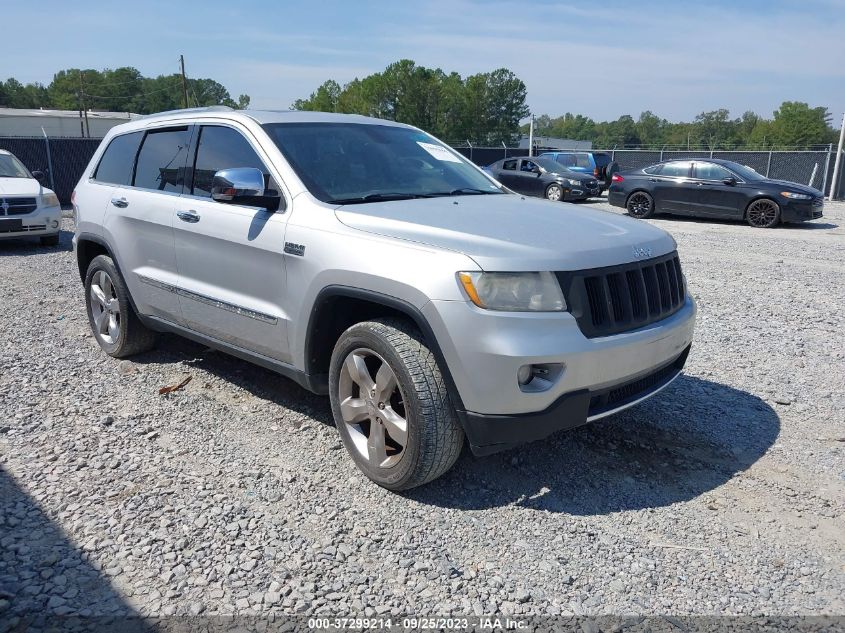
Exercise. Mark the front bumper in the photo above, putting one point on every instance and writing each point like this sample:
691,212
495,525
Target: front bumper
484,351
42,221
490,434
801,210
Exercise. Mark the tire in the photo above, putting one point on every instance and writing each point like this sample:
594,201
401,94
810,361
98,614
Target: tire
114,323
411,390
763,213
554,192
640,205
50,240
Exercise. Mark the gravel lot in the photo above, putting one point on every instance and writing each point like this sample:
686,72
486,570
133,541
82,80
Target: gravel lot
723,495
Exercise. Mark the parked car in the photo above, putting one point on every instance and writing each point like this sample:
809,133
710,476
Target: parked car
600,164
544,178
27,208
368,261
714,188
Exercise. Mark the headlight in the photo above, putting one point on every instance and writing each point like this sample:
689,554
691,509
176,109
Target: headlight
515,292
49,200
574,183
795,196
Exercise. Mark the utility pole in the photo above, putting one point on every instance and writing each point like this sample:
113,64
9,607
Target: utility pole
184,82
531,137
82,106
838,161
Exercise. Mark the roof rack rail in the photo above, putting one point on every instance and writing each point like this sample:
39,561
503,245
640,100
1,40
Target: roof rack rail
214,108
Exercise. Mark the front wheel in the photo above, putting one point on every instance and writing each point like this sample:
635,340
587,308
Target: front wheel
554,193
763,213
391,406
640,205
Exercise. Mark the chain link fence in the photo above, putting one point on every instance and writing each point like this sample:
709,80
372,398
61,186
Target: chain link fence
813,168
62,159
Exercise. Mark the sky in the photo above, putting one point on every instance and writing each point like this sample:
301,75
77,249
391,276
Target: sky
600,58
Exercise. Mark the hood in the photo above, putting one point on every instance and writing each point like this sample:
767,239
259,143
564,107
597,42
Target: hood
512,233
20,187
794,186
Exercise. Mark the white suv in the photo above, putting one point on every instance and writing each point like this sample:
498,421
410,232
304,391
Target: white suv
368,261
27,209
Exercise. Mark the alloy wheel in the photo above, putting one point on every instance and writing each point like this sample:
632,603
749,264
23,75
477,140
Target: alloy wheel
639,204
762,213
554,193
105,307
373,408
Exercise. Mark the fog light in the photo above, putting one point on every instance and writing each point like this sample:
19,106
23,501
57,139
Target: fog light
55,224
539,377
524,374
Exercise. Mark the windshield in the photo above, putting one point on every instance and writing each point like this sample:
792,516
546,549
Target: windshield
551,165
746,173
350,163
11,167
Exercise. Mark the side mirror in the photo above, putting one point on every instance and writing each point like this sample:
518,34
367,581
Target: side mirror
730,181
237,184
40,176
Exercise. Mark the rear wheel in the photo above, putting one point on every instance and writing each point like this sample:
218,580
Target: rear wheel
554,193
640,205
114,323
763,213
390,405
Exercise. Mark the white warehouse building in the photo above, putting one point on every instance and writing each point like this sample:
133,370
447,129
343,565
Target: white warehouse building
59,123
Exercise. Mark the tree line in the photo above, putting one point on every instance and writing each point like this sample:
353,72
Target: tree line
116,90
484,108
793,124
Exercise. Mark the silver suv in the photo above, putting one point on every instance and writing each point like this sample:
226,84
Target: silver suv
368,261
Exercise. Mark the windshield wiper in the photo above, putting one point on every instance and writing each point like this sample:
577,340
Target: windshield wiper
378,197
464,191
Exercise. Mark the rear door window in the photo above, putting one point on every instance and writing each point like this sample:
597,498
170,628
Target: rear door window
677,169
161,161
118,160
510,165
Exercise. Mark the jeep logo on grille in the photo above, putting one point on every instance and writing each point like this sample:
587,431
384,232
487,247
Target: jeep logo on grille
641,252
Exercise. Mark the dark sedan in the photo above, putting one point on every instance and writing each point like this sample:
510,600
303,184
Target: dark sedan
714,188
544,178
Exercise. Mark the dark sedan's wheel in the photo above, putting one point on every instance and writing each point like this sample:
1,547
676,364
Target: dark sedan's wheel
554,193
640,205
763,213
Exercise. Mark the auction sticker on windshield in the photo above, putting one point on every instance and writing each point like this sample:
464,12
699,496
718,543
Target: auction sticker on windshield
440,153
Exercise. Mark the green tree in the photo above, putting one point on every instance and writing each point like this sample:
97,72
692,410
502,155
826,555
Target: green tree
796,123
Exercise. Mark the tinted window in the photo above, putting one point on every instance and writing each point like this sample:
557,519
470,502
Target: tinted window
161,161
528,165
711,171
678,169
567,160
509,164
116,164
654,169
354,163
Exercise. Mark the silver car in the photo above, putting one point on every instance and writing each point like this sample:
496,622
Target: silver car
368,261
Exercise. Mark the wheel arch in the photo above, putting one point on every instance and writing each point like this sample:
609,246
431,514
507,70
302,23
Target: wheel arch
88,247
338,307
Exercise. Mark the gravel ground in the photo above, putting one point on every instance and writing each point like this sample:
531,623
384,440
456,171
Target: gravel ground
723,495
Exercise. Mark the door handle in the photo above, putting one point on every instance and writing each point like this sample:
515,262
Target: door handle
653,180
188,216
120,203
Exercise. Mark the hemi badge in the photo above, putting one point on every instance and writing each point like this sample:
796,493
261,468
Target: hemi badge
295,249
